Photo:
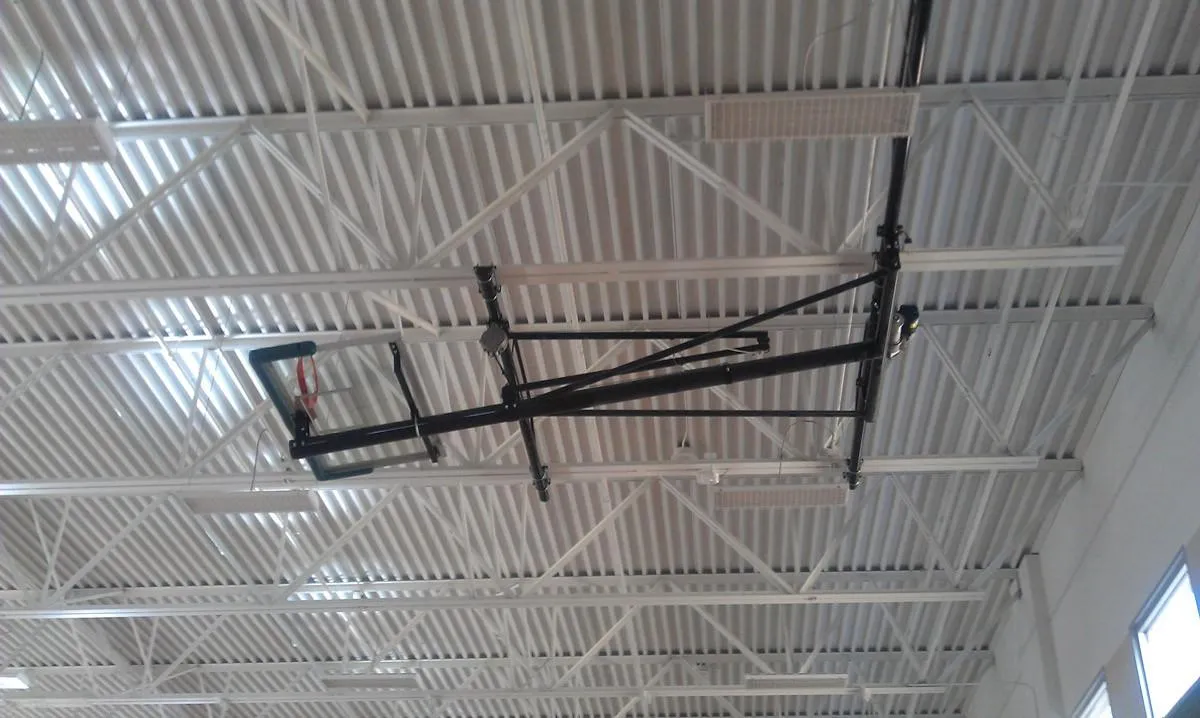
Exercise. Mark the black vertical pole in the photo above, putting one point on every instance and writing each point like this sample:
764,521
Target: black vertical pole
883,298
510,393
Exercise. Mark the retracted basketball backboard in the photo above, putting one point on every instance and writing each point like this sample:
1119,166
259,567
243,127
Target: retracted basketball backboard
342,386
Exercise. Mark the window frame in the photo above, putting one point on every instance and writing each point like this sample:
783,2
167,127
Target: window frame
1099,686
1177,572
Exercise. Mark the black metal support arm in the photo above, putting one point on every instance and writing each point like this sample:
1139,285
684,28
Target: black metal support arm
512,393
883,298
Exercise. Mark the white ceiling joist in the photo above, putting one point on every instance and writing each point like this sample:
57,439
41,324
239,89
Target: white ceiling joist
94,700
325,590
419,476
1044,92
222,610
845,263
734,658
352,337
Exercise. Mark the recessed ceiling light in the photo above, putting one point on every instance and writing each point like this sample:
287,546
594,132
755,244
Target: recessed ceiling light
255,502
798,681
372,680
33,142
13,681
812,115
781,497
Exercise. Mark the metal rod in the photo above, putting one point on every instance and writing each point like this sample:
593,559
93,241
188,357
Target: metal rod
489,287
631,334
670,362
726,331
431,450
714,413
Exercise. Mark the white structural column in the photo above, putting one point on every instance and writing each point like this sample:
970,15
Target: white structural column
929,260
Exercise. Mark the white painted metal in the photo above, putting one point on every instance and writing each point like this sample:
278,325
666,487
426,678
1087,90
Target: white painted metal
932,260
332,340
390,696
735,194
313,56
499,476
77,258
1012,93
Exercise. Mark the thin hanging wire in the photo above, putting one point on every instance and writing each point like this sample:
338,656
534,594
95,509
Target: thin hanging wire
37,71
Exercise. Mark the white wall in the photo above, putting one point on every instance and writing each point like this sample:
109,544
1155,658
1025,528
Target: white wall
1120,527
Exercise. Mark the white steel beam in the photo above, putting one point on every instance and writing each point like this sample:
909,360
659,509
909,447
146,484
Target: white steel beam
1027,174
1132,70
739,547
774,660
846,263
322,591
1089,388
77,258
1018,93
412,477
931,339
477,603
369,241
798,322
315,58
111,700
531,179
755,208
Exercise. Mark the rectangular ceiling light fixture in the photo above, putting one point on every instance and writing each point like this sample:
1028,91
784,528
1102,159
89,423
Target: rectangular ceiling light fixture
34,142
812,115
255,502
781,497
13,681
798,681
372,680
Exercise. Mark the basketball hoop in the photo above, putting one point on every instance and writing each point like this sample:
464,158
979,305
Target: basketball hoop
307,399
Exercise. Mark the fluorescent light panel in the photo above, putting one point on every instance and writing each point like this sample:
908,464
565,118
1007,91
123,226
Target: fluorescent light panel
13,681
816,115
255,502
32,142
798,681
781,497
372,680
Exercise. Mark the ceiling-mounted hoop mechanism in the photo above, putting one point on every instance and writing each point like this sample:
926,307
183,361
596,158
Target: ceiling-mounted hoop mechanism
889,328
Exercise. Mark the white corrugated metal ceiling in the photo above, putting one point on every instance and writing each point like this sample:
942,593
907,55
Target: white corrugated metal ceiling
296,169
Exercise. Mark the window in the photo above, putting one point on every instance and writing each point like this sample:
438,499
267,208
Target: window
1096,705
1167,636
